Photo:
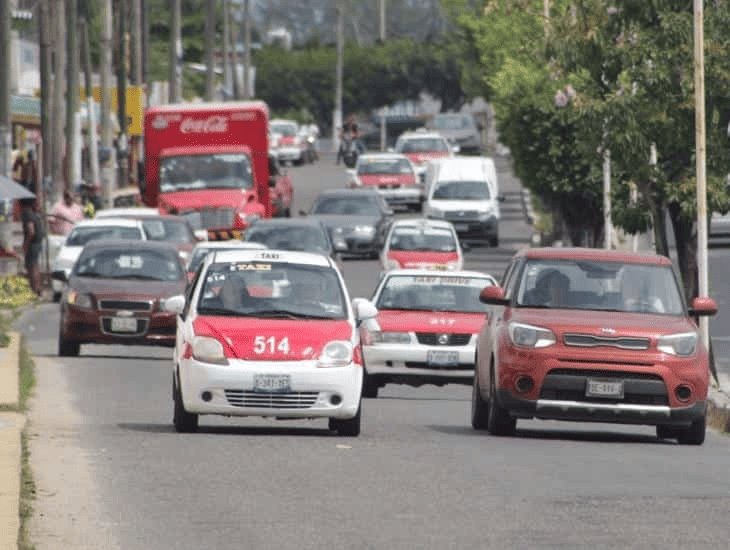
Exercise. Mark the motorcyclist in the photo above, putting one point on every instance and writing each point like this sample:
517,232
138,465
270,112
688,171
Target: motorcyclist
350,131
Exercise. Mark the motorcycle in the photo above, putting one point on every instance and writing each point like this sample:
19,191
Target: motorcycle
350,151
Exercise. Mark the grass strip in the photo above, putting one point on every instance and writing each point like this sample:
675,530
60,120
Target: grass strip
27,483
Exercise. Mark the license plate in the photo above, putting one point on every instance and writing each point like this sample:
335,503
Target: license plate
442,358
124,324
605,388
271,383
461,226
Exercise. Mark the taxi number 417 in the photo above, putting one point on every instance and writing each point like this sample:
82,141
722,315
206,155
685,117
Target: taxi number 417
264,344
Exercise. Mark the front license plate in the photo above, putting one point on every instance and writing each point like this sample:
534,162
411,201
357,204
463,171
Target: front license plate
461,226
442,358
124,324
271,383
605,388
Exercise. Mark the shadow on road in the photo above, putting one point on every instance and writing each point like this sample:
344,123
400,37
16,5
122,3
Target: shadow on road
402,398
103,356
592,437
230,430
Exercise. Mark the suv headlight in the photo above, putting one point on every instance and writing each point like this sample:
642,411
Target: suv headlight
683,344
529,336
365,229
208,350
79,299
337,353
380,337
486,213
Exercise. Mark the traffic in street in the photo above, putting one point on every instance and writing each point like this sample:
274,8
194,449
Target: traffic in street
113,472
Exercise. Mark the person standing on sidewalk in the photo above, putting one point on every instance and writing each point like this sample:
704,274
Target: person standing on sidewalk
64,214
32,242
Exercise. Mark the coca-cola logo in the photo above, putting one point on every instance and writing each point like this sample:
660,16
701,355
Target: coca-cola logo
215,124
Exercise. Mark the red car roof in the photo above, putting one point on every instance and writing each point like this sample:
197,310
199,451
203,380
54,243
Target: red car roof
597,254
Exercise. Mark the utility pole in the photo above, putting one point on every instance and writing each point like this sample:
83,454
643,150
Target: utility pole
59,80
135,43
108,174
382,21
234,51
90,104
145,48
210,6
45,35
226,52
6,143
175,68
247,49
699,70
72,92
122,149
337,115
607,223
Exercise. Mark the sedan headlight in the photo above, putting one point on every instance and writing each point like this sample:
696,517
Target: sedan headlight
391,337
391,264
337,353
365,229
683,344
452,266
529,336
184,255
79,299
208,350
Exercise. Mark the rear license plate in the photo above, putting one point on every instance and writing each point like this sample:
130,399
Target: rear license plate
461,226
124,324
271,383
442,358
605,388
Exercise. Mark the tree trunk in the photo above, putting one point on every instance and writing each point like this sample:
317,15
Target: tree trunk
659,226
685,234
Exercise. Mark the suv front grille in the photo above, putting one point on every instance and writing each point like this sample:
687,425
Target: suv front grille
591,341
217,218
127,305
570,385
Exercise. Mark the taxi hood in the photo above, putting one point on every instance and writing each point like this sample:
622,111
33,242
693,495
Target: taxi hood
197,199
256,339
417,258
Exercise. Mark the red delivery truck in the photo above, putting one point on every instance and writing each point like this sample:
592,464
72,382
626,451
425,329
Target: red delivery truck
208,162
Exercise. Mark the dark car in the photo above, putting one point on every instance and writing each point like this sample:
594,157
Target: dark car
302,234
114,294
460,129
359,218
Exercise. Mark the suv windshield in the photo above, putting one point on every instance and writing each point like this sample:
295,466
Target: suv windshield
411,238
433,293
260,289
79,236
601,286
224,171
304,238
175,231
348,206
461,190
423,145
149,265
384,166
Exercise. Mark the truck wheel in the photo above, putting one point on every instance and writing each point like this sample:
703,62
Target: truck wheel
499,421
184,421
494,240
479,407
694,434
349,427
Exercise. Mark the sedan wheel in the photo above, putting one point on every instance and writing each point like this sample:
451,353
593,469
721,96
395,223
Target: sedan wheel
499,422
184,421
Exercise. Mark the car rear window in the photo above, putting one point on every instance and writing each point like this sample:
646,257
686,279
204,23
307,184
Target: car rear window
80,236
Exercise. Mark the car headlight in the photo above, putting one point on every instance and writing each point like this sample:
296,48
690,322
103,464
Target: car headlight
432,212
184,255
529,336
365,229
208,350
488,212
337,353
452,266
683,344
391,264
79,299
380,337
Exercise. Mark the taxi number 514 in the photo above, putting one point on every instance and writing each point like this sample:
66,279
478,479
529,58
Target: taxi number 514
264,344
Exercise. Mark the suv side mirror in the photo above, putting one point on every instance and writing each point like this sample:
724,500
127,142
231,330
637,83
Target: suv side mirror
493,295
701,307
59,275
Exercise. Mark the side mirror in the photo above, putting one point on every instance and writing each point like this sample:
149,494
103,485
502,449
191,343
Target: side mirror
364,309
703,307
501,198
339,245
201,234
60,275
493,295
466,247
272,182
456,149
175,304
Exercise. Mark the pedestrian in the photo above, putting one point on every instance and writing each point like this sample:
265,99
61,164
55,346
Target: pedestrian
64,214
33,235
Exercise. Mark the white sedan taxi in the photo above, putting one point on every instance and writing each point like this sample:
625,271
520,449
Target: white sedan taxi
244,349
426,328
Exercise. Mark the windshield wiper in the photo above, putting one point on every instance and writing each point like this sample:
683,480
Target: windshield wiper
219,311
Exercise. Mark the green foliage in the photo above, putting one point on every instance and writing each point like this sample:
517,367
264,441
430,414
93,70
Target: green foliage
15,292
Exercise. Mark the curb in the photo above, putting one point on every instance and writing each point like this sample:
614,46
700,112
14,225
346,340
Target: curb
718,409
11,428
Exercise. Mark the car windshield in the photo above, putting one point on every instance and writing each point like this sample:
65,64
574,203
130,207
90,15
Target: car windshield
413,238
278,290
79,236
423,145
285,129
433,293
224,171
117,263
451,122
347,206
304,238
384,166
461,190
175,231
600,286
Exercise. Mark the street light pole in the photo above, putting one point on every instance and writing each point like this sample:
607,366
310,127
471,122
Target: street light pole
699,70
337,115
5,138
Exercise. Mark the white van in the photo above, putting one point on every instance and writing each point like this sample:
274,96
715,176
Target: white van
465,191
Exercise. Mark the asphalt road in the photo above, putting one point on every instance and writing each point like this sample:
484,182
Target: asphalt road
417,477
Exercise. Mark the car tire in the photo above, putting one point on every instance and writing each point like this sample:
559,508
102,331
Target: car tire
287,212
349,427
68,348
369,387
499,421
667,432
184,421
494,240
694,434
479,407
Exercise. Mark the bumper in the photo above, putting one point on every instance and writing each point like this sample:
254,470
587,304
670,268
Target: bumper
475,229
94,327
403,195
310,394
619,413
357,244
411,361
289,153
225,234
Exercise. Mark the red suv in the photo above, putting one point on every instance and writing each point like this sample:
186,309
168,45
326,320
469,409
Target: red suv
592,335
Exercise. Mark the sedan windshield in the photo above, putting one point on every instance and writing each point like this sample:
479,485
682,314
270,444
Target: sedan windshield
411,238
225,171
151,265
285,129
286,291
79,236
303,238
433,293
347,206
384,166
600,286
423,145
461,190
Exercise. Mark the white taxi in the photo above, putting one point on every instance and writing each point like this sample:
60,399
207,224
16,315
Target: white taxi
423,244
426,328
243,350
